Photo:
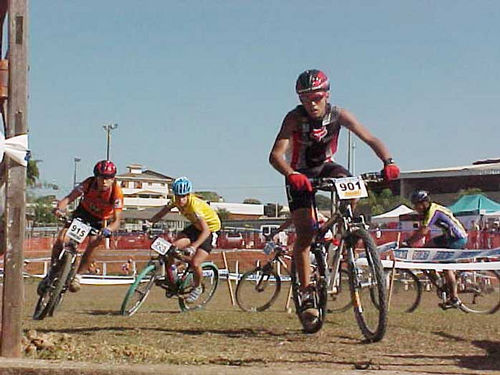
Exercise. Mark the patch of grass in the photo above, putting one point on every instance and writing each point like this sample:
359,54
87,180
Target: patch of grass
87,327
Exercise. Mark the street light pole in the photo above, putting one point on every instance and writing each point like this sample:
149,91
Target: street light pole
76,160
108,129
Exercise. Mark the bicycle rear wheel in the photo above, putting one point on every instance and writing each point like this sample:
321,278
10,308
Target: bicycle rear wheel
312,316
406,291
258,289
479,291
209,282
367,285
52,295
139,290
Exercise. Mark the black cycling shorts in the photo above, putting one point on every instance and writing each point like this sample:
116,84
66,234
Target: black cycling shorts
87,218
193,234
303,199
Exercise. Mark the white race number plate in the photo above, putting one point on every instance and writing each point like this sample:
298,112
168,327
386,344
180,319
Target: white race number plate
350,187
161,246
78,231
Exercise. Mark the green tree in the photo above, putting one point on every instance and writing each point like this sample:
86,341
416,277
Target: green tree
32,173
210,196
251,201
223,214
379,203
42,210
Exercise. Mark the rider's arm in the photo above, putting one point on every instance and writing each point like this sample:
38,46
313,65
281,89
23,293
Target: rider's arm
419,233
277,155
63,203
165,210
205,233
348,120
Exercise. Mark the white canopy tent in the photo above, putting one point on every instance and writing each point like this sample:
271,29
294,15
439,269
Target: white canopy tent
392,216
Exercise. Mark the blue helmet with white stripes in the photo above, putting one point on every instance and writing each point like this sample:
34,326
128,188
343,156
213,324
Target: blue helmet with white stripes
182,186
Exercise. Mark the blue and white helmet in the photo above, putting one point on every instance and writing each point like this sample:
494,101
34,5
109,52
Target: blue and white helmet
182,186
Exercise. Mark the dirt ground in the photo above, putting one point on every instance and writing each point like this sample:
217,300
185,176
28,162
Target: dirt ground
87,328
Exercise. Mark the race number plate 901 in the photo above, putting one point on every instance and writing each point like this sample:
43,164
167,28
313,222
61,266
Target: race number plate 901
78,231
350,188
161,246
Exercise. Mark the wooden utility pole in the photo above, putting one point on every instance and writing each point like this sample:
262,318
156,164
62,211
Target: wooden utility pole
15,177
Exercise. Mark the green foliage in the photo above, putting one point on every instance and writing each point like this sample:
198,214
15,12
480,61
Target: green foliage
223,214
32,173
251,201
376,204
42,208
210,196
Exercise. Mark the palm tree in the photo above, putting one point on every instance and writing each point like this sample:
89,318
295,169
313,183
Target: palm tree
32,172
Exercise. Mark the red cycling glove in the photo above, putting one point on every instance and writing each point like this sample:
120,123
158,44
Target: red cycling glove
299,182
390,171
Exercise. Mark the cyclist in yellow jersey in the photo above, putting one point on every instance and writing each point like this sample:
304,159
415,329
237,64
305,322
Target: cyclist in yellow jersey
198,238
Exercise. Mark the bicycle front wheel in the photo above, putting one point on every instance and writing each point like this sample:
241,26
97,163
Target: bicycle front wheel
258,289
52,295
406,291
139,290
479,291
367,285
209,282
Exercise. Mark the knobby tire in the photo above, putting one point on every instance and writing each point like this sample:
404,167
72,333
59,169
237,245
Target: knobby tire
372,279
142,290
257,282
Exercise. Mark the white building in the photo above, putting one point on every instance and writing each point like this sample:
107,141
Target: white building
144,188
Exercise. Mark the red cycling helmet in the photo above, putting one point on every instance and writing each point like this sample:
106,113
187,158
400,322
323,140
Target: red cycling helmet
105,168
312,80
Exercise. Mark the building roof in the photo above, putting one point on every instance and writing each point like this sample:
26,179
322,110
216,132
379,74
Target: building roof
145,175
239,208
466,170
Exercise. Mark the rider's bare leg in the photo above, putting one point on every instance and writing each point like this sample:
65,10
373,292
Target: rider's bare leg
58,245
199,257
449,275
304,227
94,241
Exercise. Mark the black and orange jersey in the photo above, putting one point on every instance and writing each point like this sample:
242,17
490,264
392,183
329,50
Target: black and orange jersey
101,204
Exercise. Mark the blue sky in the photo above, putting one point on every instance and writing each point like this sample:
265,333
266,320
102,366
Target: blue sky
199,88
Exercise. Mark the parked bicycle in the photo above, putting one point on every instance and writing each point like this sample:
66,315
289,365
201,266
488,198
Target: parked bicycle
259,288
51,290
363,270
180,287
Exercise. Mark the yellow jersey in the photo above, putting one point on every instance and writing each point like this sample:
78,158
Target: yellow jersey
197,208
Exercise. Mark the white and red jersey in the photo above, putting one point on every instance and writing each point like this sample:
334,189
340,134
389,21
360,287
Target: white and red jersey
314,142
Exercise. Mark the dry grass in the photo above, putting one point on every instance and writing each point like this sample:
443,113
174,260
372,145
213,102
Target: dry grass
87,327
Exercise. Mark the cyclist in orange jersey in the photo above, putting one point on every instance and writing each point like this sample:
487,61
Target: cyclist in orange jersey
102,200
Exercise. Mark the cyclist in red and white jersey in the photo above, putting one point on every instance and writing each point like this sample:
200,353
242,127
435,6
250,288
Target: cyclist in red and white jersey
102,201
304,148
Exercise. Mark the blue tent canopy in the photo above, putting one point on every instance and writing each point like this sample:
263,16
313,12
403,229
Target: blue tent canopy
474,204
